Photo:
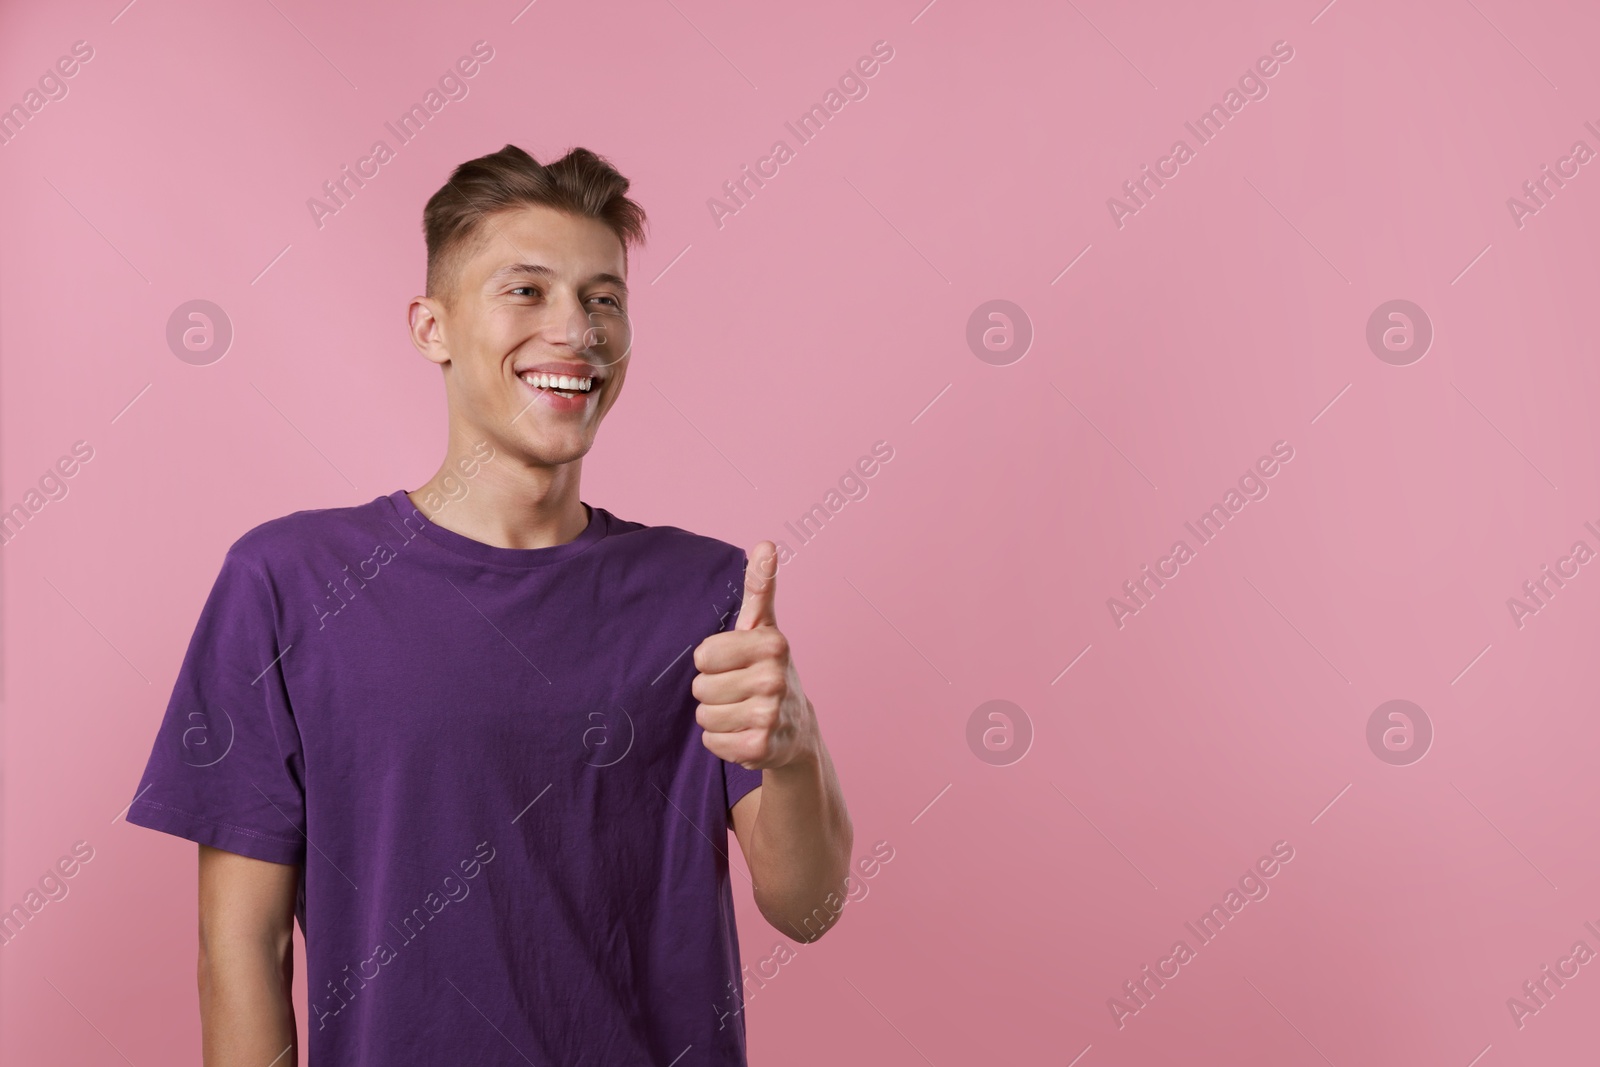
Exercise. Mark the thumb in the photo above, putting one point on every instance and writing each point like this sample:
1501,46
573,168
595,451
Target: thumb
760,588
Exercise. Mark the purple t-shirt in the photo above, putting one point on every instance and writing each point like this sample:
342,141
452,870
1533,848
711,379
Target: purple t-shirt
486,763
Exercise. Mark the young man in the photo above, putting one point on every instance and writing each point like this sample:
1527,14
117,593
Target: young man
485,741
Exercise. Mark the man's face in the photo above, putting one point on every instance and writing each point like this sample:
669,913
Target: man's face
541,297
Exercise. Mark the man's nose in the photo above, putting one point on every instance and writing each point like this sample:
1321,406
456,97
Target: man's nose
568,323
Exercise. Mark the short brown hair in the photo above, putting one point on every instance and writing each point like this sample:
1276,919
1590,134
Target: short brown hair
580,183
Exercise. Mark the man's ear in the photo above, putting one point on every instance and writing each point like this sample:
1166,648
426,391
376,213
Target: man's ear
425,323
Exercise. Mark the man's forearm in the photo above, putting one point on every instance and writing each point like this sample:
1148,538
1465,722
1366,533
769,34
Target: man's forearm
246,1010
801,844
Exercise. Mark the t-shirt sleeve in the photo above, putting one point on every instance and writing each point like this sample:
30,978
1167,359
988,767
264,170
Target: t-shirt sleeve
227,769
737,780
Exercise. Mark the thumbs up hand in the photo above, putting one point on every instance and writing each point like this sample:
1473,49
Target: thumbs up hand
752,708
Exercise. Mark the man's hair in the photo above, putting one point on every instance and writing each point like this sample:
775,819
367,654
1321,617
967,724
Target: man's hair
580,183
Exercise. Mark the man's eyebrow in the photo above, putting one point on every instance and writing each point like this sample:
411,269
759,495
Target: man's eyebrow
541,271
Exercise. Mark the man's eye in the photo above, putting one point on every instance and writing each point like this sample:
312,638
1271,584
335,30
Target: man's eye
530,290
612,299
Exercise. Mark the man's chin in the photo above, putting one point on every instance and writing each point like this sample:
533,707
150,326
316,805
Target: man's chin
553,451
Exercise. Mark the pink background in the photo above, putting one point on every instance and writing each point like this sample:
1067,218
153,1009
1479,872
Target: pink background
825,316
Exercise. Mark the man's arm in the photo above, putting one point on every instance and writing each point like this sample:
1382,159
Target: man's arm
794,828
246,968
796,836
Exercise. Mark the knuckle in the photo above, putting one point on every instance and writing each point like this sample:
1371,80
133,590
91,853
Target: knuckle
769,683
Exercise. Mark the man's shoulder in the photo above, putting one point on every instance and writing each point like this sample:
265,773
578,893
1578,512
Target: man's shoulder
674,542
698,568
668,538
298,534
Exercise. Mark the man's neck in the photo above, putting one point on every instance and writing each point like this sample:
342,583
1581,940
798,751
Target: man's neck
504,503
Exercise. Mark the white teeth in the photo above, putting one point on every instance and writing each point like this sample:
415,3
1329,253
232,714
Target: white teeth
559,382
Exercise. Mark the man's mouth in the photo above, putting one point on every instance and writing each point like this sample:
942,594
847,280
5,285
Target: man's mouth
563,385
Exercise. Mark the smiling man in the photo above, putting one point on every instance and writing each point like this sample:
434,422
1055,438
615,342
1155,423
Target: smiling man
486,741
